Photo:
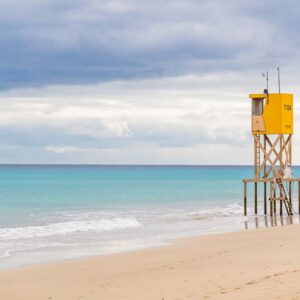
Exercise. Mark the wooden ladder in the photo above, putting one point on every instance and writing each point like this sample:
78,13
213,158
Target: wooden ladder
283,196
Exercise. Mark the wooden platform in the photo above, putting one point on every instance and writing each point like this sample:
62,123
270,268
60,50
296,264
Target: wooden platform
269,180
272,206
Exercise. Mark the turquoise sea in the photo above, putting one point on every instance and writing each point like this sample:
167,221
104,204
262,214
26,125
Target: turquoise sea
62,212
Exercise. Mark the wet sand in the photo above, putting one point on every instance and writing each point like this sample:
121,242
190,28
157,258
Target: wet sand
253,264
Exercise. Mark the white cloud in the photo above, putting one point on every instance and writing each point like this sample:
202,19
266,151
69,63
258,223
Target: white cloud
190,119
197,119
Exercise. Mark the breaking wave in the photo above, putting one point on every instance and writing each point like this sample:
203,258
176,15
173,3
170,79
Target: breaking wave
63,228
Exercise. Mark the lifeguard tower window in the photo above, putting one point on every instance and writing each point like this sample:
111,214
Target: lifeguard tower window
257,107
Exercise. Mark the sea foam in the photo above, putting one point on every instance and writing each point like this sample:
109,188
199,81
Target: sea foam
63,228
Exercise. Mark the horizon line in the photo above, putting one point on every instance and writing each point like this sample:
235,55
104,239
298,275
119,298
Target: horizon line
130,165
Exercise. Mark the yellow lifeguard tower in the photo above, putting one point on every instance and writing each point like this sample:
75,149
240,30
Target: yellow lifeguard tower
272,113
272,130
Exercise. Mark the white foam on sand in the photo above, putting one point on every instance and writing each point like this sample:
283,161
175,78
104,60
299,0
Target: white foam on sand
63,228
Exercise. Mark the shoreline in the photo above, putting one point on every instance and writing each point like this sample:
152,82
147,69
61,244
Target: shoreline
252,223
208,266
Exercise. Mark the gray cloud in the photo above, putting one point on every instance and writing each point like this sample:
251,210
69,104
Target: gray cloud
64,42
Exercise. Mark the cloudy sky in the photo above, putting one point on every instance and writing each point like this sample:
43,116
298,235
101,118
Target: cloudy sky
140,82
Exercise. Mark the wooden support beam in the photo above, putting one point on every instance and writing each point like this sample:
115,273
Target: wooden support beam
287,150
298,197
284,147
271,198
265,173
274,206
290,195
245,198
265,198
281,170
274,149
255,198
273,166
269,180
281,221
290,150
290,184
280,205
255,155
281,154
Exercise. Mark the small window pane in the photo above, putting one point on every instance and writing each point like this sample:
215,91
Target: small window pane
257,107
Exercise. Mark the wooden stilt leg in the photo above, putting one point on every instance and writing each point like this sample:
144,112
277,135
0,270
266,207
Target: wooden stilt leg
274,201
245,198
265,173
281,171
271,197
255,198
265,198
281,195
275,219
290,195
299,197
290,183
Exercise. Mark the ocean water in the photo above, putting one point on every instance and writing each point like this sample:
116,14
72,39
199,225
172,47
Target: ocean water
62,212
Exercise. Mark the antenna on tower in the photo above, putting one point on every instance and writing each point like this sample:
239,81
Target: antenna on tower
278,75
266,75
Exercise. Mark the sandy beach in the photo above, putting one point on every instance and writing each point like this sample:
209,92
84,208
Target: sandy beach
254,264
